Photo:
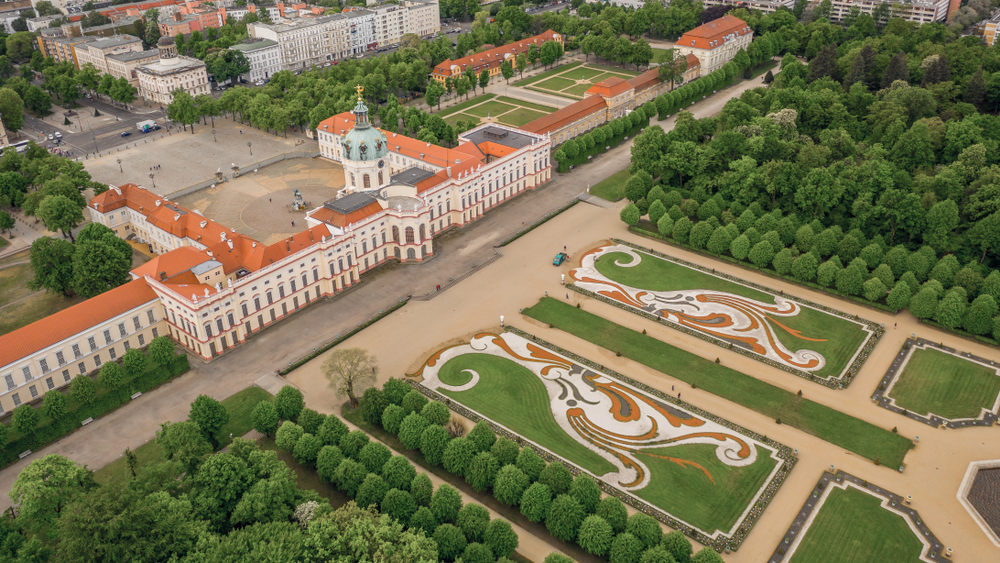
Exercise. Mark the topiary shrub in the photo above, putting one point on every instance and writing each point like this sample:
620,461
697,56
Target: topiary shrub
477,553
413,402
373,456
501,538
332,430
265,418
706,555
657,554
482,471
625,548
423,519
482,436
372,490
613,512
450,541
288,435
505,450
557,477
373,402
595,535
445,504
510,485
472,520
557,558
586,491
457,456
398,473
436,413
352,443
410,430
530,463
392,418
645,528
433,443
535,502
307,450
399,505
677,545
349,476
564,518
289,402
310,421
395,390
422,489
327,460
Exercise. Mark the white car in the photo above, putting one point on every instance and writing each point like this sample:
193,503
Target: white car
51,137
259,83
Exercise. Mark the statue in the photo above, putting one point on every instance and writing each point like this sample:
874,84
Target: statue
360,89
297,203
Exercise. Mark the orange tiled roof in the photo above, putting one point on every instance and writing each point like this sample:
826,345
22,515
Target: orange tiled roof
692,61
337,219
566,115
645,80
172,263
59,326
713,34
609,87
287,247
428,183
495,149
493,57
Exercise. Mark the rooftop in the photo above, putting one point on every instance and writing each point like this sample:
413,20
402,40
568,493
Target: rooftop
412,176
566,115
134,55
176,64
501,136
350,203
254,45
495,55
115,41
714,33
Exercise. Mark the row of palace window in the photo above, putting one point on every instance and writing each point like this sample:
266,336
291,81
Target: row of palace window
81,369
366,179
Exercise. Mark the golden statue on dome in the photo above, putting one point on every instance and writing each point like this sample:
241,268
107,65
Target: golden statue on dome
360,89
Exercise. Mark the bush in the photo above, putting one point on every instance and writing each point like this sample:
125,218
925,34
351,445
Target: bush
707,555
482,436
450,540
422,489
564,518
445,504
645,528
424,520
311,421
530,463
352,443
557,558
372,490
436,413
373,402
586,492
482,471
472,520
411,429
307,450
349,476
657,554
25,419
54,404
265,418
373,456
626,548
678,546
595,535
557,477
161,351
134,362
505,450
289,402
398,472
288,435
510,485
392,418
501,538
630,214
332,431
535,502
413,402
477,553
613,512
394,390
899,297
457,456
327,460
433,443
399,505
83,389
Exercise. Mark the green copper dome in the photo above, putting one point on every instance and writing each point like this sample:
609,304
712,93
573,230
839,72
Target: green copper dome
363,142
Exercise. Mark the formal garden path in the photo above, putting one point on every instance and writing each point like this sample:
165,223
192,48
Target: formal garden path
574,79
494,109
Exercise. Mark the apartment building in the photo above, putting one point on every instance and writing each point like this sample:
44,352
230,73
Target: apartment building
422,18
308,42
264,56
393,21
716,42
96,52
919,11
765,6
158,80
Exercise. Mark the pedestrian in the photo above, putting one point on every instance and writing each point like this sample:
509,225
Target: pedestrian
564,248
241,131
269,200
501,320
438,287
678,395
671,388
293,223
567,297
895,325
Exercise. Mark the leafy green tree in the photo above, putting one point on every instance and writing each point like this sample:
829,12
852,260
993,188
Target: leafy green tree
288,435
530,463
706,555
47,486
586,492
899,297
656,211
472,520
678,546
630,214
505,450
761,254
413,402
83,389
184,442
783,261
625,548
665,226
557,477
850,280
510,485
482,471
458,455
183,109
307,449
422,489
535,501
59,213
54,405
445,504
924,304
740,247
392,418
399,505
52,265
25,419
208,414
827,272
327,461
373,402
595,536
11,105
700,234
564,518
645,528
398,473
658,554
424,520
395,390
372,491
978,317
332,431
161,350
311,421
433,441
112,377
450,540
352,444
720,240
682,229
501,538
482,436
100,265
556,557
436,413
289,403
348,476
873,289
951,310
134,362
613,512
374,456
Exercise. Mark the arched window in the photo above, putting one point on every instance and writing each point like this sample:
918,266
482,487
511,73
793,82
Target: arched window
411,254
368,181
364,247
352,179
423,233
380,177
409,235
208,329
395,233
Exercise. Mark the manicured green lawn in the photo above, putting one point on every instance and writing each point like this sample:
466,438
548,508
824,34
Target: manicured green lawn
117,471
836,338
14,283
852,526
454,119
493,109
583,73
511,395
240,406
546,74
617,70
3,242
577,90
611,188
659,53
554,93
520,117
946,385
557,83
513,101
842,430
514,397
468,103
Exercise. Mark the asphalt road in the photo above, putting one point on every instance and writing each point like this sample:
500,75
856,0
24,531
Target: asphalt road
87,134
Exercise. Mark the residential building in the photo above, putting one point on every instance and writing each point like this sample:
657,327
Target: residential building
158,80
96,52
609,99
392,21
422,18
307,42
361,30
492,59
716,42
61,49
919,11
40,23
124,65
765,6
264,57
990,30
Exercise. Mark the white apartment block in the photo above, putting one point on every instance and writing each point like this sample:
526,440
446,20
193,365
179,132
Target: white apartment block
159,80
307,42
765,6
264,56
423,18
919,11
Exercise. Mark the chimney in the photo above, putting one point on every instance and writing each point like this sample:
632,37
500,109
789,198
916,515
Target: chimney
203,224
288,245
163,276
449,171
230,244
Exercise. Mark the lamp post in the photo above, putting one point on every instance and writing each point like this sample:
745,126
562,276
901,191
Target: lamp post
250,146
120,169
213,136
152,180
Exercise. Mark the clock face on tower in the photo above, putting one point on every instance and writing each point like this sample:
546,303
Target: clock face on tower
381,163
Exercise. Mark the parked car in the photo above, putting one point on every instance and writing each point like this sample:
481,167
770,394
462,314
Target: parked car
126,133
58,135
259,83
560,258
52,137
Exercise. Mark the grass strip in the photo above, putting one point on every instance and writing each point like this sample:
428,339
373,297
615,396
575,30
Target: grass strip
468,103
529,105
611,188
936,382
842,430
546,74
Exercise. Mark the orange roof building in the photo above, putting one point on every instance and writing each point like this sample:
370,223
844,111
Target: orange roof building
491,59
716,42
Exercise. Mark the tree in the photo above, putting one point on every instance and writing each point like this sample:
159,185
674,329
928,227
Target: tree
100,265
372,490
482,471
626,548
898,69
54,405
398,473
436,413
645,528
413,401
510,485
630,214
265,418
446,503
350,371
11,105
289,403
373,403
672,67
925,303
484,79
450,541
373,456
850,280
951,310
422,489
112,377
740,247
288,435
530,463
613,512
501,538
535,501
83,389
307,449
183,109
720,241
873,289
399,505
595,535
311,421
46,486
134,362
761,254
161,350
564,518
52,265
434,93
423,519
899,297
557,477
209,415
706,555
327,461
352,443
507,70
20,47
521,62
392,417
25,419
825,63
677,545
472,520
979,316
6,221
700,234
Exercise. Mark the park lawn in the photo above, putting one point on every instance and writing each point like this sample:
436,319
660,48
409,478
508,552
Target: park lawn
492,109
614,69
658,54
468,103
19,257
841,337
3,242
852,526
117,473
512,396
584,73
35,307
14,283
611,188
848,432
520,117
935,382
578,90
240,406
546,74
454,119
706,505
529,105
556,83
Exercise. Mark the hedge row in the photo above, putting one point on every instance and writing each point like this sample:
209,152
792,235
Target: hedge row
49,429
611,134
571,508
